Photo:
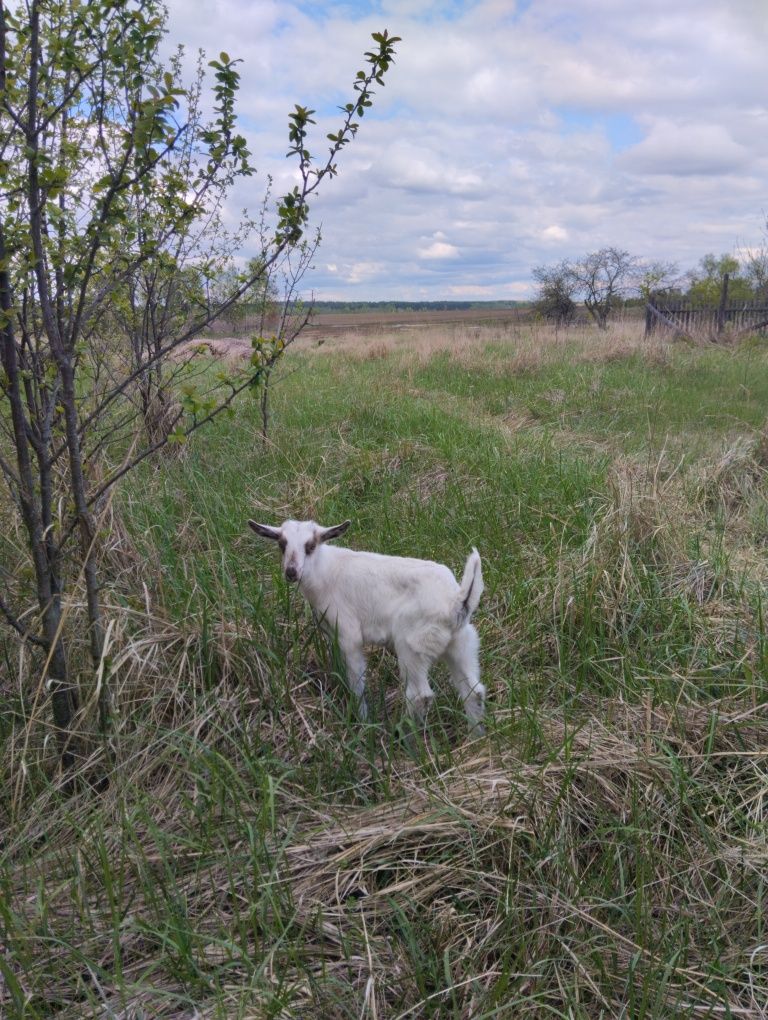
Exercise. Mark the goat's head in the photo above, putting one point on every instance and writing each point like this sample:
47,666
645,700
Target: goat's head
298,540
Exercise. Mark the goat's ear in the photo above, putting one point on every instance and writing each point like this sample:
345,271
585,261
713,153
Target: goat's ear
326,534
264,530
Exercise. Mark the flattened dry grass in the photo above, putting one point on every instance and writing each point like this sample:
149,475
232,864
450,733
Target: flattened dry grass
256,852
612,866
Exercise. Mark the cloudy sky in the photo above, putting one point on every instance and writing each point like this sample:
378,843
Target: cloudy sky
510,133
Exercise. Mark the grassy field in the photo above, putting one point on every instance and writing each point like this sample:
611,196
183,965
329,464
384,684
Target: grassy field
601,852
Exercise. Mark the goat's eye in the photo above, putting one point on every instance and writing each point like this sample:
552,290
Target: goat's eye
309,548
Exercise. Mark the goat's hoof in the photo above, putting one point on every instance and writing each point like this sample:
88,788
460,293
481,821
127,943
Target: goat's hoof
418,708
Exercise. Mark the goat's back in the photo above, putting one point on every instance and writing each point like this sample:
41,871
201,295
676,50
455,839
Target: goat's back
380,575
384,595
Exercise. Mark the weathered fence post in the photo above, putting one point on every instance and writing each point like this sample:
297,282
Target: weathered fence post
722,306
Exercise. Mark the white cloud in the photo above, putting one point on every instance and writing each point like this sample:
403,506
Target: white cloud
412,166
356,272
439,250
516,290
554,234
685,150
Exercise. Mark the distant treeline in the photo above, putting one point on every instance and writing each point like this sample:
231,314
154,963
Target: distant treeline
411,306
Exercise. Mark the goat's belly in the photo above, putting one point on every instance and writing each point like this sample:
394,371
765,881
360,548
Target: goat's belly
377,635
372,632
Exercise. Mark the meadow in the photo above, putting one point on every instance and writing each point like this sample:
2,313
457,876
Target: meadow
601,852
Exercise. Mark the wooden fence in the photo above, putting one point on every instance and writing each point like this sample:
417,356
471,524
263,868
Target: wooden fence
684,318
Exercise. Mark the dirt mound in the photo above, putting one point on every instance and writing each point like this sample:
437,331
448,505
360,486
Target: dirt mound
228,347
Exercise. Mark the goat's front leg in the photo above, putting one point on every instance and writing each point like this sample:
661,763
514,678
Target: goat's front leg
355,662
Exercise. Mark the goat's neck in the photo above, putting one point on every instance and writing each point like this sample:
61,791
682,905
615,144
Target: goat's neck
314,582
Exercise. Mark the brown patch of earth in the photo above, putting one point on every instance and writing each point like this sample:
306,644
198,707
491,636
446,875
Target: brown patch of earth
229,348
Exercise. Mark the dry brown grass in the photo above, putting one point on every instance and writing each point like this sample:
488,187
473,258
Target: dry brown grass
521,347
504,856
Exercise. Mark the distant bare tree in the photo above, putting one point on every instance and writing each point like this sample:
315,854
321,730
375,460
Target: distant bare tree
601,278
604,277
557,285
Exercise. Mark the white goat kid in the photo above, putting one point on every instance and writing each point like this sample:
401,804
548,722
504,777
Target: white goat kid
414,607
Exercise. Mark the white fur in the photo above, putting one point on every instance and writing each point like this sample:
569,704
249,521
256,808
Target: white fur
414,607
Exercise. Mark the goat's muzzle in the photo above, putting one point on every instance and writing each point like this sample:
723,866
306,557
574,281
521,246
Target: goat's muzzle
291,574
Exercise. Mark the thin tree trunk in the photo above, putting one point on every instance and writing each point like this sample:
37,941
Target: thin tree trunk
87,531
265,408
63,695
722,306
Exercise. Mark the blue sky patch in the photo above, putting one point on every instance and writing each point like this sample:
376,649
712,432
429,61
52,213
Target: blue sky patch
356,10
621,130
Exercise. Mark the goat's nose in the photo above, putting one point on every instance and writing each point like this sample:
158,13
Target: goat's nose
291,573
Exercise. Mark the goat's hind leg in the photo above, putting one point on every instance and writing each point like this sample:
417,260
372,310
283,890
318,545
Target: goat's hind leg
414,670
462,656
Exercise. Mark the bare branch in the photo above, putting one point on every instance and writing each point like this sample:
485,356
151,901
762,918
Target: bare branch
16,624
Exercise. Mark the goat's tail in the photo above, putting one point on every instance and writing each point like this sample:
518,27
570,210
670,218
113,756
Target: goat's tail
470,590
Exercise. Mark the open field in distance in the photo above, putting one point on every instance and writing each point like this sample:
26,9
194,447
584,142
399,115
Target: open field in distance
324,322
601,853
322,319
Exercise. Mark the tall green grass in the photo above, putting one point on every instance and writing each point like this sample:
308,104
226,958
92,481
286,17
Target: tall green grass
259,853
